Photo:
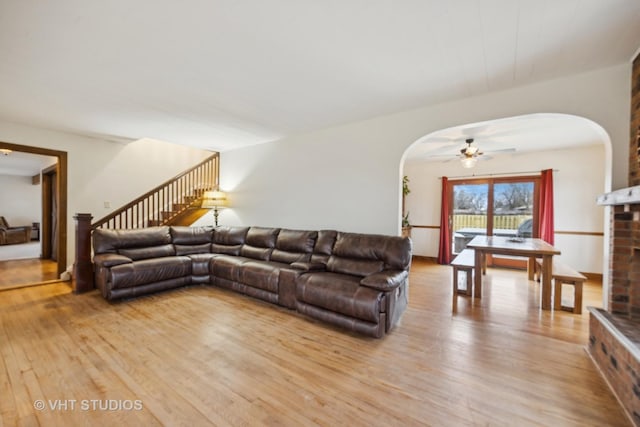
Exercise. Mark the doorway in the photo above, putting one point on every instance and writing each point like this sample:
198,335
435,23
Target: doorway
493,207
50,213
56,229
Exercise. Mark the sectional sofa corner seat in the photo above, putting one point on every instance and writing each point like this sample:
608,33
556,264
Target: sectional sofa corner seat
354,281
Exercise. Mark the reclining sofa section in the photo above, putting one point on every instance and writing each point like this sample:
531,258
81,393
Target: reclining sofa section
355,281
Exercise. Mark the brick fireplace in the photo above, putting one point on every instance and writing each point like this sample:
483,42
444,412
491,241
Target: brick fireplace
614,334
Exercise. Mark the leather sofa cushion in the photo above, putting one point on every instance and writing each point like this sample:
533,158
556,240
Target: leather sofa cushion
296,240
397,253
340,293
200,264
259,243
225,249
308,266
105,240
262,237
149,271
324,246
227,267
289,257
229,240
109,260
109,241
230,235
193,249
148,252
255,252
262,275
386,280
394,251
326,240
356,267
182,235
294,246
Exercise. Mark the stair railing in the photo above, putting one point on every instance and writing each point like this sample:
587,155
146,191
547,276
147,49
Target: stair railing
159,205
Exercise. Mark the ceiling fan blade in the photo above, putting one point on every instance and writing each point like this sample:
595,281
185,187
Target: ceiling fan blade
472,131
447,156
502,150
456,158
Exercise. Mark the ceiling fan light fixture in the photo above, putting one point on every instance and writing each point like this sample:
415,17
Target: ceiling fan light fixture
468,162
5,151
469,150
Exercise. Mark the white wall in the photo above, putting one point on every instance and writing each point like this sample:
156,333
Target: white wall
100,171
578,180
19,200
348,177
119,173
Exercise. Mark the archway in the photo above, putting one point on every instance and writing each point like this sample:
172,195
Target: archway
579,149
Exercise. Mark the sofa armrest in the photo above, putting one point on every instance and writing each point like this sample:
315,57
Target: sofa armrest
386,280
110,260
309,266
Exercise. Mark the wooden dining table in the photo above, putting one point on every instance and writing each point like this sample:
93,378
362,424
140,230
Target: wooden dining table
530,248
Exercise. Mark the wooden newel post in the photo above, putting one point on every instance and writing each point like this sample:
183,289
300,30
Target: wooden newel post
83,267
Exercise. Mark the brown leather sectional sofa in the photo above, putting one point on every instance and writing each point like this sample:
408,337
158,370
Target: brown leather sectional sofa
355,281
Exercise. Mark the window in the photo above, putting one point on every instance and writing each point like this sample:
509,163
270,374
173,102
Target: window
513,212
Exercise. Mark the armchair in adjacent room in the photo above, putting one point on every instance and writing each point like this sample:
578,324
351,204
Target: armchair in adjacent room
12,235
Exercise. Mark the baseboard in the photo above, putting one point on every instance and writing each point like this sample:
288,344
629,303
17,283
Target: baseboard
424,258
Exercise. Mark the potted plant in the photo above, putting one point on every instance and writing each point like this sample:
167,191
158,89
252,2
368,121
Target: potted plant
406,225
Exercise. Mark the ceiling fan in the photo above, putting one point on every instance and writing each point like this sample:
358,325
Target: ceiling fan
470,150
469,154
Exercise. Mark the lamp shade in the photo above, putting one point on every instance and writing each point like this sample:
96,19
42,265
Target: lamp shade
214,199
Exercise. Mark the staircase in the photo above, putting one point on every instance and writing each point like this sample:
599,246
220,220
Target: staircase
174,202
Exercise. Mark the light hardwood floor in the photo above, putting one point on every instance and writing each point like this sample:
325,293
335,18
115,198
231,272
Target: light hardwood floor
22,272
205,356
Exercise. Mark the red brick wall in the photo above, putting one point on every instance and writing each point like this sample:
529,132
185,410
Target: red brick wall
622,256
623,269
624,292
618,365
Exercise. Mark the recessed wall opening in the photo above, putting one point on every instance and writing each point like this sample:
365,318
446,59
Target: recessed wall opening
52,230
576,149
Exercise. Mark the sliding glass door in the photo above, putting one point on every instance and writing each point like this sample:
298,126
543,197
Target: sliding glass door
493,207
469,212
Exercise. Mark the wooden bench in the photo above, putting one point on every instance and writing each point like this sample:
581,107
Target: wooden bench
465,262
563,274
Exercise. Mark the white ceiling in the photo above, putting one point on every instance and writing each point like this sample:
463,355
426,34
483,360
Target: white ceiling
222,74
24,164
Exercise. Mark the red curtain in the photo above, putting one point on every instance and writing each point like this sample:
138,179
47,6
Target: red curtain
444,251
545,214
